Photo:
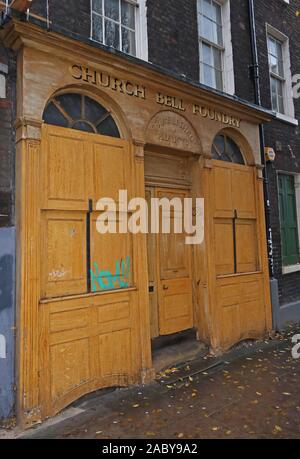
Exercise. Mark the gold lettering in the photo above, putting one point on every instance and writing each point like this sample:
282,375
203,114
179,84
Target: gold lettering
140,91
89,77
195,109
129,92
160,98
103,79
204,112
75,69
116,85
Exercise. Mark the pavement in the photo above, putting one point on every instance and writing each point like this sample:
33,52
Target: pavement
250,392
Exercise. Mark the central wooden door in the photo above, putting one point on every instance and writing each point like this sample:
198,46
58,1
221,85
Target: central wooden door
170,277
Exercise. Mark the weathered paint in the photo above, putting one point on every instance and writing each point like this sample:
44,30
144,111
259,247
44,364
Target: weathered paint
7,318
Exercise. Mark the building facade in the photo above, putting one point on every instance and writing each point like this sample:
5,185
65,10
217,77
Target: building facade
156,98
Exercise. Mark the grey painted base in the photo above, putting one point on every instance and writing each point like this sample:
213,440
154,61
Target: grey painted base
289,313
283,315
7,321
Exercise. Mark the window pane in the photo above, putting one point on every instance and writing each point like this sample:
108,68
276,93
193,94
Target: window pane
207,8
207,29
273,64
234,152
219,80
52,115
274,94
217,58
207,56
279,88
97,28
272,46
208,76
219,38
112,34
128,41
72,104
109,127
279,51
112,9
83,126
127,15
219,143
280,104
217,13
93,111
97,6
274,102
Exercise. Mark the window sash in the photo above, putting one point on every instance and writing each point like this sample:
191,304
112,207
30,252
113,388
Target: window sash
276,56
211,73
216,33
122,28
215,70
277,95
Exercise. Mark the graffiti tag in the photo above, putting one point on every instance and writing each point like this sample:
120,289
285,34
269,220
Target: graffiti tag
105,280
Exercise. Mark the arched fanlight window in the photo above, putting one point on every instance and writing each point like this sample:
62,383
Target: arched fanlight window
225,149
77,111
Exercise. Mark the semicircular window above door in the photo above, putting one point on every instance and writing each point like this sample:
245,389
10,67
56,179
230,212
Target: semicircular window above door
80,112
225,149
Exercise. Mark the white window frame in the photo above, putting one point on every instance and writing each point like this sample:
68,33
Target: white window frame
227,49
288,101
141,35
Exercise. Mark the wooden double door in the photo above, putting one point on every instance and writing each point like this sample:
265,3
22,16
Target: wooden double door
169,269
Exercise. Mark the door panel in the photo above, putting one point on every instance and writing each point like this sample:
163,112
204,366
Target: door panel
88,339
66,169
175,298
239,282
64,253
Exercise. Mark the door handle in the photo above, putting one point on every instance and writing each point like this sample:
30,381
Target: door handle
165,287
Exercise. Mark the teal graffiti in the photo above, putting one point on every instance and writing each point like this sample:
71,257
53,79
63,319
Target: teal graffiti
106,281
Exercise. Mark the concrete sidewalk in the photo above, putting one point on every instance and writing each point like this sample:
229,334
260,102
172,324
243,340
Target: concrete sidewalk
252,392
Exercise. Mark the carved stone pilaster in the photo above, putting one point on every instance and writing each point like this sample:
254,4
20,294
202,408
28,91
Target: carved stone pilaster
139,150
27,128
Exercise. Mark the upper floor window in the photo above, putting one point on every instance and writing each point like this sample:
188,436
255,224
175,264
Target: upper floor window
215,45
280,75
211,43
276,73
114,23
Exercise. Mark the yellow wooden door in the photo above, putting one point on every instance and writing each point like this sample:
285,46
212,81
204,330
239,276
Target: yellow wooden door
88,301
175,299
237,234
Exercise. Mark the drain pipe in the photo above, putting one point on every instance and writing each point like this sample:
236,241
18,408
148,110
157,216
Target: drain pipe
256,80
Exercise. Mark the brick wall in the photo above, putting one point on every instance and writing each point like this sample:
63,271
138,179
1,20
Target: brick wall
173,36
285,139
7,141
